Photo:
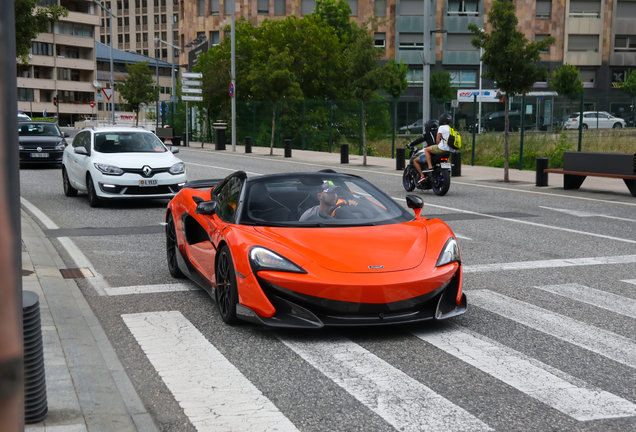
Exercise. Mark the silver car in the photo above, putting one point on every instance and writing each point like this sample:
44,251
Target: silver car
595,120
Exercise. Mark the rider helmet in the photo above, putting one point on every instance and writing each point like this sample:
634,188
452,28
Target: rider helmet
445,119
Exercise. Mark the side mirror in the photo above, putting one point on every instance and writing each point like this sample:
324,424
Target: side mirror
81,151
206,208
416,203
174,149
66,134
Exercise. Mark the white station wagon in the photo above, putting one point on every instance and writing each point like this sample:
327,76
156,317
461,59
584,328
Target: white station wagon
595,120
121,163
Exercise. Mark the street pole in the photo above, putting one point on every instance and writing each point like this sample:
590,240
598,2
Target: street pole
157,72
173,95
111,108
233,77
481,52
426,81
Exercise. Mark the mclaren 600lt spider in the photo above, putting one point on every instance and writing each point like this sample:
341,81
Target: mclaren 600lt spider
313,249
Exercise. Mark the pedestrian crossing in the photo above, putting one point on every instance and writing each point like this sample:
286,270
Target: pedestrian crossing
217,397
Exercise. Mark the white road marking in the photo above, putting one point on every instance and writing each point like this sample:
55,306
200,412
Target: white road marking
602,342
221,168
530,265
548,385
586,214
602,299
630,281
148,289
214,395
462,237
403,402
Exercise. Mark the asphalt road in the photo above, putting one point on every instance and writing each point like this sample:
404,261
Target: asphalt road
548,342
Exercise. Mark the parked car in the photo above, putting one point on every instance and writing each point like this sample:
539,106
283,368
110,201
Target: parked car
40,142
594,120
23,117
121,163
414,129
496,121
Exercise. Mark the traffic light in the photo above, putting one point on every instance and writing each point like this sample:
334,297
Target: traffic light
55,100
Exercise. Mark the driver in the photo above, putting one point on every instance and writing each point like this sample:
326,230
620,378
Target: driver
330,206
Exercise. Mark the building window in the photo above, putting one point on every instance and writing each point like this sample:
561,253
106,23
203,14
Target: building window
126,21
120,21
262,6
175,18
145,37
73,29
138,20
164,53
463,78
227,7
214,38
200,7
412,7
156,3
623,43
585,9
544,9
137,4
214,7
164,19
127,38
459,42
380,40
163,3
102,39
279,7
626,9
175,35
379,8
411,41
126,5
144,20
463,8
353,4
25,94
146,52
583,43
307,6
541,37
415,76
120,38
41,48
587,77
144,3
156,19
164,36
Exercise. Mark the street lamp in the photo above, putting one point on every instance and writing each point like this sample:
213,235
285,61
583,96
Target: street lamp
112,86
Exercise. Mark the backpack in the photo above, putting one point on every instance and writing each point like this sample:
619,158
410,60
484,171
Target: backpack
454,139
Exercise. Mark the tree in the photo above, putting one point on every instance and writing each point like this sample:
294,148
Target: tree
336,14
395,85
30,21
628,85
138,87
565,80
509,58
441,86
273,80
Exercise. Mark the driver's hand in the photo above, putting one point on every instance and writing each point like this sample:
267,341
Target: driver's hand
352,202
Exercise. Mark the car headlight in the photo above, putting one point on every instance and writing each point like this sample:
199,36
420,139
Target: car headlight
449,254
178,168
60,146
20,147
109,169
265,259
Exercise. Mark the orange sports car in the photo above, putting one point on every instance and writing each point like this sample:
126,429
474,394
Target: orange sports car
313,249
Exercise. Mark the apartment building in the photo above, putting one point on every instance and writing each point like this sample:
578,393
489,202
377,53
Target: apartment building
62,65
120,61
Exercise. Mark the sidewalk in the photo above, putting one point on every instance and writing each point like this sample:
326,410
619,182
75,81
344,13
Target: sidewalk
87,387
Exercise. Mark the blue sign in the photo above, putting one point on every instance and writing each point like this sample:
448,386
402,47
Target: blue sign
44,113
163,108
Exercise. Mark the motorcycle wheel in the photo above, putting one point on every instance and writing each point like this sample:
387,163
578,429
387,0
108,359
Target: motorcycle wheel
441,182
409,179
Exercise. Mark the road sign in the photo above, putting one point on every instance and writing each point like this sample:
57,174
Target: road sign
44,113
455,103
191,90
231,90
191,83
92,104
108,92
191,75
164,107
192,98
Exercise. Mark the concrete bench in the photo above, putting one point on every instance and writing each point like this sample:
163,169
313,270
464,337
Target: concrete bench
579,165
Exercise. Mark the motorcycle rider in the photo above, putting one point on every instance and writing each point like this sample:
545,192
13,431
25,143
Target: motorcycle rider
441,146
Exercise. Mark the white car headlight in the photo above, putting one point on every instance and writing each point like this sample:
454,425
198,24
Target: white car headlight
60,146
109,169
20,147
449,254
178,168
265,259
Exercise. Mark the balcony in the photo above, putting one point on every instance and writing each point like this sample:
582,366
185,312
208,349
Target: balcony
40,60
83,18
75,41
36,83
73,63
76,86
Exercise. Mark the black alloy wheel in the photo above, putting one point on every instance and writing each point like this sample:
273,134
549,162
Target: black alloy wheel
226,290
171,249
69,190
93,199
409,178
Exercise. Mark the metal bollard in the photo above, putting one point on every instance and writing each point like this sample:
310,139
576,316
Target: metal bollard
248,144
542,176
456,160
400,156
35,403
344,153
288,148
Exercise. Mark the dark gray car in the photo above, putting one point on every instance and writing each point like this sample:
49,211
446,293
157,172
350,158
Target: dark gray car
41,142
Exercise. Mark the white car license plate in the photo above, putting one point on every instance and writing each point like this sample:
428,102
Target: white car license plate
147,183
39,155
446,165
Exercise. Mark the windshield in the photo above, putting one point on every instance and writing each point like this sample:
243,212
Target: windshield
30,129
128,142
320,199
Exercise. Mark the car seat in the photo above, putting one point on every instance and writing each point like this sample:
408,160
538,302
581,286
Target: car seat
262,206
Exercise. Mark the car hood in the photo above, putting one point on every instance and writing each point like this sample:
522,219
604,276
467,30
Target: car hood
385,248
137,160
40,141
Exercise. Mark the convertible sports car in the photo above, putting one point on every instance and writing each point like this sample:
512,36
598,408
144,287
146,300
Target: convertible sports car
312,250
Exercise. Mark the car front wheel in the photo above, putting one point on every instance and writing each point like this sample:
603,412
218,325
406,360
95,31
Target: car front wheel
69,190
171,248
617,125
93,199
226,293
584,126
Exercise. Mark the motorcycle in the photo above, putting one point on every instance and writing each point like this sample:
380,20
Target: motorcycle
440,178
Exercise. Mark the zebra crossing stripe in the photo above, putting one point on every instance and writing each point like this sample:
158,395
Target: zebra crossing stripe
602,299
630,281
212,392
614,347
400,400
530,265
148,289
548,385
